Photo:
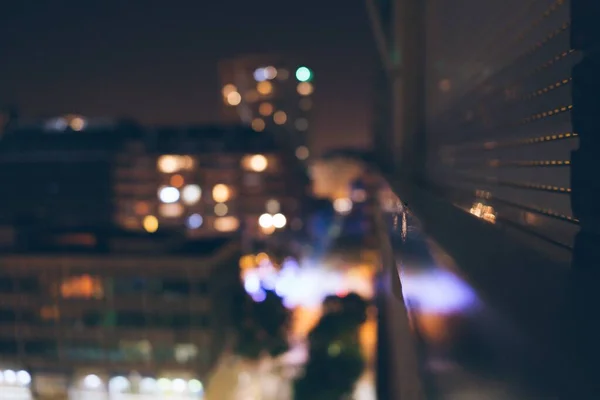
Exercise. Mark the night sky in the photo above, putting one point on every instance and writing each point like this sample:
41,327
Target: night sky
156,61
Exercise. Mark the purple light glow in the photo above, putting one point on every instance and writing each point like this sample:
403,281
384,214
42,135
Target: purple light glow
259,296
438,292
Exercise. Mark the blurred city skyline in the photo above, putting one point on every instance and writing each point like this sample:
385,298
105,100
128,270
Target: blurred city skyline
158,64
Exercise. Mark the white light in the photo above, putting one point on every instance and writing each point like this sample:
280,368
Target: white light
10,377
92,382
118,384
279,221
168,164
265,221
195,386
168,194
148,385
164,384
179,385
252,283
191,194
24,378
258,163
273,206
195,221
342,205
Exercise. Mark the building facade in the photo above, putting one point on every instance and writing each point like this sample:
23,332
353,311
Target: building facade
113,316
269,93
206,182
200,181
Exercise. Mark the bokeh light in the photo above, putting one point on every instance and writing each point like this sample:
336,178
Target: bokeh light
302,153
265,109
303,74
305,88
258,124
150,223
280,117
265,88
234,99
221,193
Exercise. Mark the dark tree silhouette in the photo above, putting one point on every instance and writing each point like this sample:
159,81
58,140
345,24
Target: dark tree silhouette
335,359
261,327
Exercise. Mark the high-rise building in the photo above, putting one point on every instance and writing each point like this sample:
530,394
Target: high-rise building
201,181
206,181
269,93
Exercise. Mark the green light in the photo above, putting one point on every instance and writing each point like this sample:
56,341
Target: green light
303,74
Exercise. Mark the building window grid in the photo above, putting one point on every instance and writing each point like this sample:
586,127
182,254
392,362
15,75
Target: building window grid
19,286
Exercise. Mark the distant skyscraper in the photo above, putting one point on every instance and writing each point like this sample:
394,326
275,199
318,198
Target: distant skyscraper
269,93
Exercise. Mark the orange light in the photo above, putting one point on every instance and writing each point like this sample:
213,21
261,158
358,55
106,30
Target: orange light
258,125
280,117
264,88
265,109
177,181
142,208
305,88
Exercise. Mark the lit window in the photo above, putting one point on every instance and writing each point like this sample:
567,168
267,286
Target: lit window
227,89
221,193
301,124
342,205
168,194
77,124
260,74
195,221
273,206
50,313
118,384
280,117
279,221
186,162
150,223
84,287
265,88
184,353
265,109
227,224
191,194
270,72
305,88
265,221
168,164
258,124
256,163
177,181
221,209
233,99
171,210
